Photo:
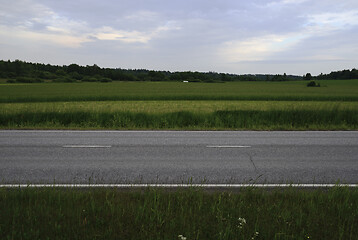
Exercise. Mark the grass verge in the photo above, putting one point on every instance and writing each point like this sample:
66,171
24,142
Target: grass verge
207,106
193,213
290,119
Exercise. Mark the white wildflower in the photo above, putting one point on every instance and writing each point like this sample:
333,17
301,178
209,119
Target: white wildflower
242,222
255,235
181,237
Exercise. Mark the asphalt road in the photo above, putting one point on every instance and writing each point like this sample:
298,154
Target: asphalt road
178,157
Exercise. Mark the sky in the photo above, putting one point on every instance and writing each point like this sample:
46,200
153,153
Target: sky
229,36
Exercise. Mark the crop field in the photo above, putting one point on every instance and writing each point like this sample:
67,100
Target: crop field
176,115
178,214
180,106
341,90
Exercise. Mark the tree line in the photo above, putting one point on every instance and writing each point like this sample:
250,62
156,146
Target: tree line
344,74
21,71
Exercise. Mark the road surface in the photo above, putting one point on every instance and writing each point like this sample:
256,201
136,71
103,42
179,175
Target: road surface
178,157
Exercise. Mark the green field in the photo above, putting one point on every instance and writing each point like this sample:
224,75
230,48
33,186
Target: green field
176,115
193,213
342,90
179,106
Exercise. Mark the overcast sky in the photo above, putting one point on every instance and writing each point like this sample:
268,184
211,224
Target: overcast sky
233,36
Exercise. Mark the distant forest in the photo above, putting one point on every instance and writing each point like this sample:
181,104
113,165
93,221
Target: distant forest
26,72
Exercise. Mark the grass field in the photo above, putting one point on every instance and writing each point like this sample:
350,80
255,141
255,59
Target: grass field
176,115
179,106
342,90
169,106
193,213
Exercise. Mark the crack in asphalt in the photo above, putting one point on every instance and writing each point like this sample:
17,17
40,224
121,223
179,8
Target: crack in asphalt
252,161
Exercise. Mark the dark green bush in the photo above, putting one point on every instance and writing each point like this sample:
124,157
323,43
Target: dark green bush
76,75
105,80
28,80
47,75
313,84
64,80
89,79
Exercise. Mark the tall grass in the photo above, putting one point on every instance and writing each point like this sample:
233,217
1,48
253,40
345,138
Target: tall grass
208,106
191,214
290,119
342,90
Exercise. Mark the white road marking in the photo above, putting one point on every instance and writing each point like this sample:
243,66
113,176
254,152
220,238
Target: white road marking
228,146
325,185
86,146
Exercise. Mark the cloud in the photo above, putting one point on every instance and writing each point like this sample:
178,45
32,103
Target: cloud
65,40
293,1
39,23
142,15
328,21
43,24
289,45
108,33
202,35
258,48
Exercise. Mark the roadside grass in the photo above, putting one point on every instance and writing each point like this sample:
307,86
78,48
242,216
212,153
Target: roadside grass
208,106
285,119
331,90
178,115
42,213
